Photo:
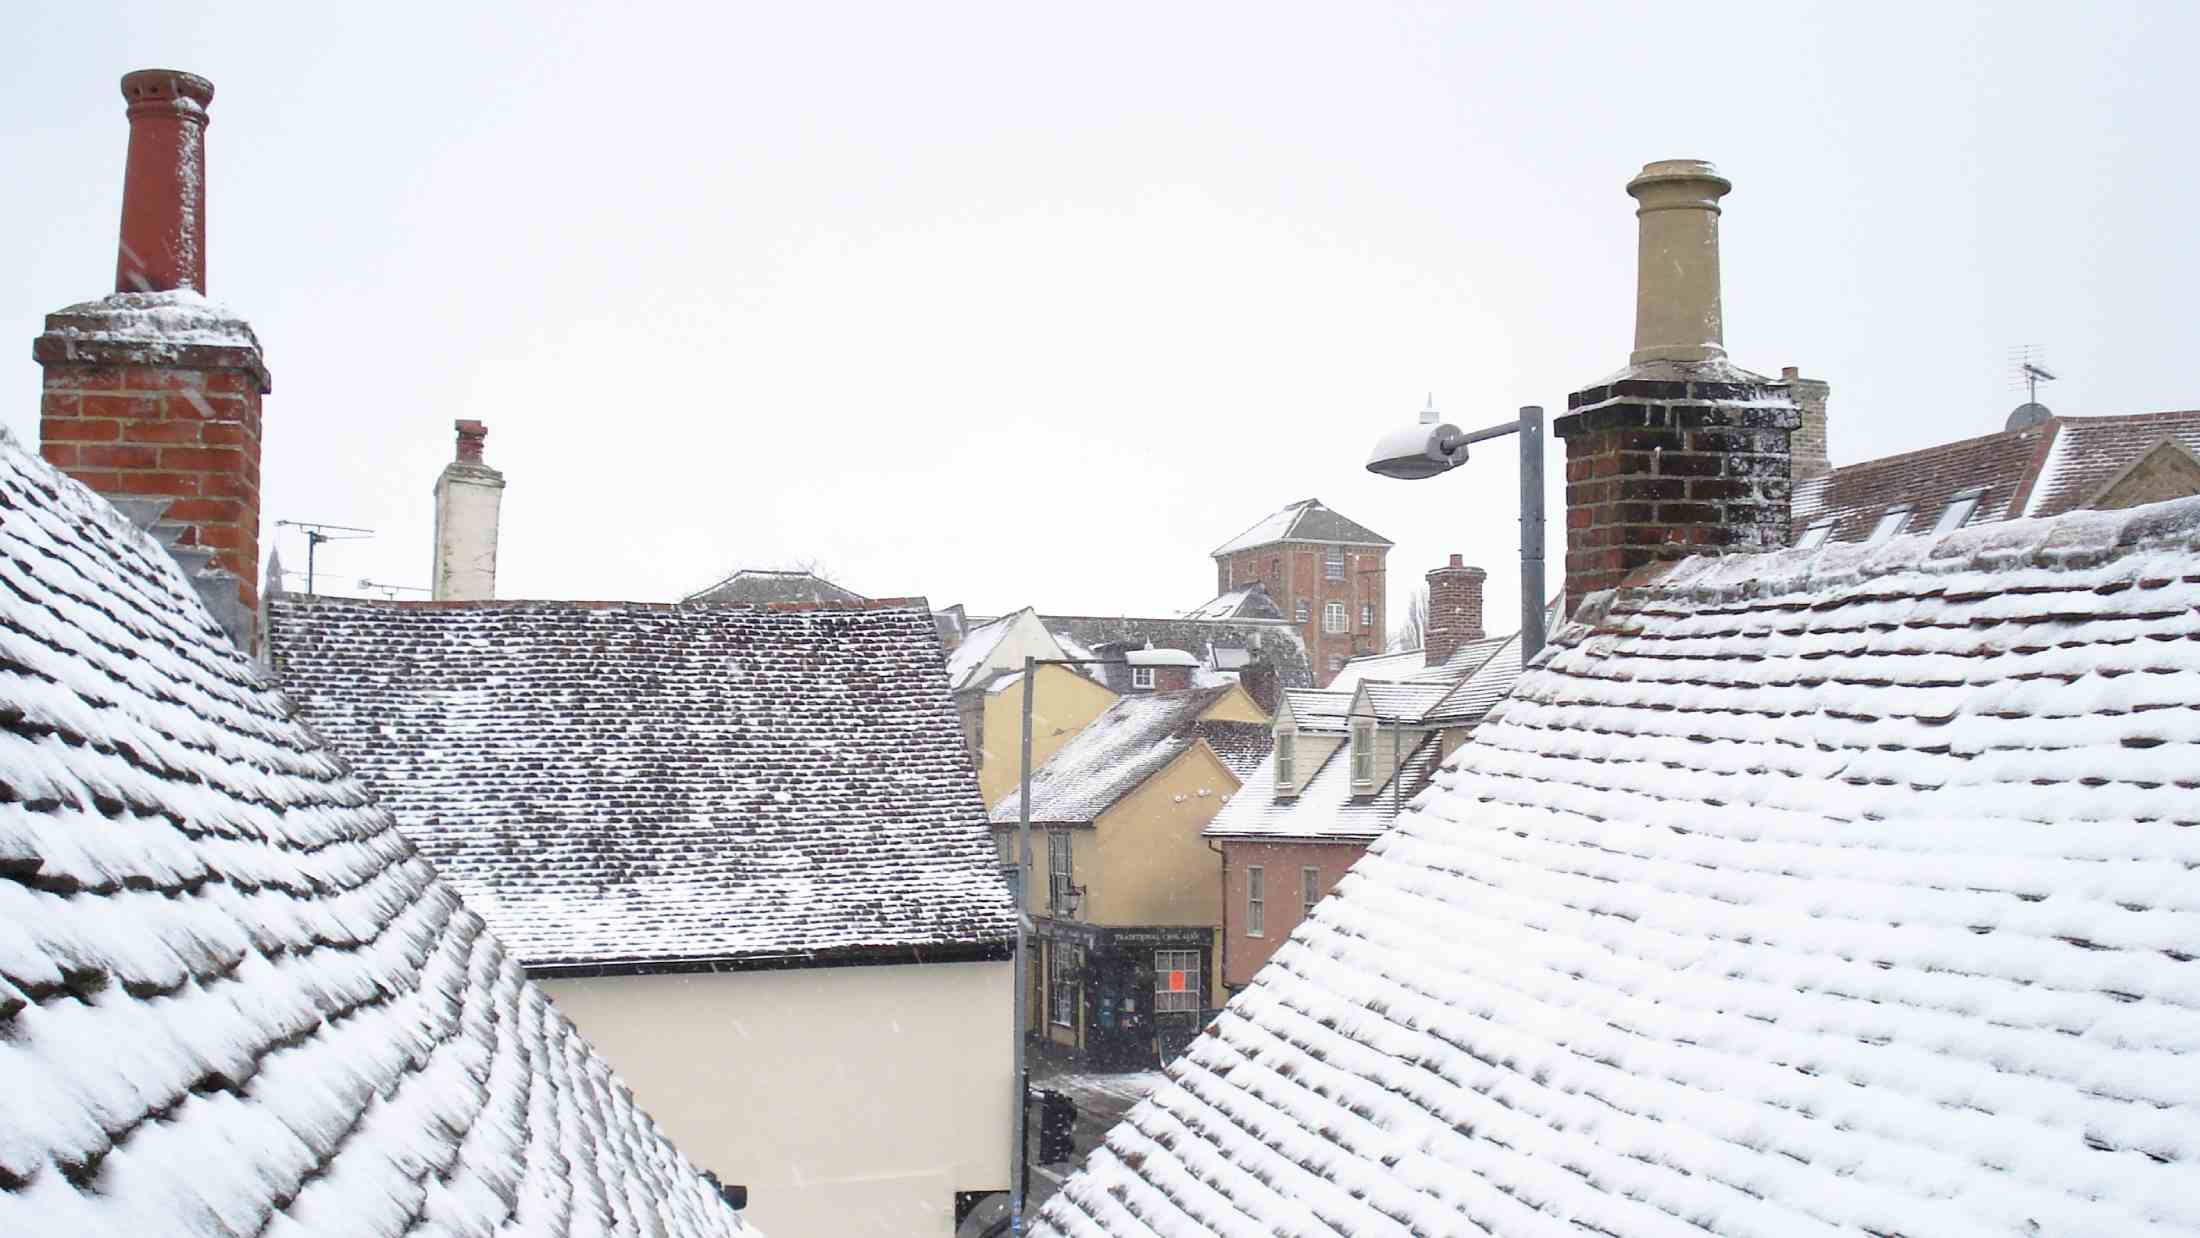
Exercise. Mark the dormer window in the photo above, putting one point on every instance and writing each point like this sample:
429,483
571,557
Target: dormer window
1363,754
1286,771
1142,677
1816,535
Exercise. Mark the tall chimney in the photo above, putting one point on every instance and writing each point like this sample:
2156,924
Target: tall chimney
1677,316
1809,394
152,395
1682,454
468,496
1454,610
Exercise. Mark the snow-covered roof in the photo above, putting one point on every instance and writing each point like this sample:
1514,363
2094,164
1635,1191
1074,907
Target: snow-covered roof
1318,709
1131,741
2042,470
1399,665
762,585
1849,892
233,998
1273,641
1244,602
1304,521
1159,657
1325,808
638,786
1401,702
966,663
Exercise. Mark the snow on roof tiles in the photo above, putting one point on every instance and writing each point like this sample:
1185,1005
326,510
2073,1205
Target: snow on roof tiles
2046,470
1318,709
757,586
1244,602
1304,521
645,786
1848,892
233,998
1131,741
1325,808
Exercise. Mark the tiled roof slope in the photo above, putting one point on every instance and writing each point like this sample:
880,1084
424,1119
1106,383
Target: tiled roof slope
627,785
233,999
1847,893
1244,602
1134,739
2088,452
1241,745
1272,641
757,586
1304,521
2046,470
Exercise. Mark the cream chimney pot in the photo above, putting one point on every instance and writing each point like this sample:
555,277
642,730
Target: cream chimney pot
1677,315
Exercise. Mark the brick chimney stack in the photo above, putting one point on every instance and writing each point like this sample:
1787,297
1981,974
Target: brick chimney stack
469,496
1454,610
152,395
1809,443
1683,453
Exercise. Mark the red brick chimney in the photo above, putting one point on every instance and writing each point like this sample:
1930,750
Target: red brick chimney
1684,453
1454,610
152,395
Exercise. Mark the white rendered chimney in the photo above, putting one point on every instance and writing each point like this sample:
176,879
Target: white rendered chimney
467,498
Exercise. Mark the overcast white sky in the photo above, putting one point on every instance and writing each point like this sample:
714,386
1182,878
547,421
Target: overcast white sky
1027,303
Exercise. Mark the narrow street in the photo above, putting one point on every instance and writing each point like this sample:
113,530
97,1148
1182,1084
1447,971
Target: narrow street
1102,1099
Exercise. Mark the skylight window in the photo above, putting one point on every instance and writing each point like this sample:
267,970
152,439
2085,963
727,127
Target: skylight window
1959,511
1816,535
1890,523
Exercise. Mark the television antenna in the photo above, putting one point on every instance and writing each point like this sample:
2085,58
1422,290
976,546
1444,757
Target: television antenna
318,531
388,591
2030,372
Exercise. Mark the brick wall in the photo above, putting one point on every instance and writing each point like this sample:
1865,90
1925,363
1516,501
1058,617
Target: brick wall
1281,864
1659,470
1296,572
1808,446
1454,610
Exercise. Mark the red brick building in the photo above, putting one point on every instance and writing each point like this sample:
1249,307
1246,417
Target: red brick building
1324,572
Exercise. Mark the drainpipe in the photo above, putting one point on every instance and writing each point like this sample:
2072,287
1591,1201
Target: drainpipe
1222,930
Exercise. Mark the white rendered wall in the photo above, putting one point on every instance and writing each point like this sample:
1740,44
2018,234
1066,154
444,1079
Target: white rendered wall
849,1100
466,501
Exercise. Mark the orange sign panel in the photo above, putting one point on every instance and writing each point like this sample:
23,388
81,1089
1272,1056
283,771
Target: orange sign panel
1176,982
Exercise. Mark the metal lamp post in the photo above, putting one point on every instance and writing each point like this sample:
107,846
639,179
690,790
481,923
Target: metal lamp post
1432,448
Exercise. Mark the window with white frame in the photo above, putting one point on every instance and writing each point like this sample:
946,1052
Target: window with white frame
1333,617
1333,564
1176,980
1310,889
1256,902
1816,535
1367,614
1142,677
1286,764
1891,522
1363,752
1060,873
1336,661
1958,512
1305,610
1063,982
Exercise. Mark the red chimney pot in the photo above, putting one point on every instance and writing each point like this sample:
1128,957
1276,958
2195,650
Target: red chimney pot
163,244
471,436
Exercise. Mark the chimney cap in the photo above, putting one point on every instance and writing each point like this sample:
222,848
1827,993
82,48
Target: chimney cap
1679,171
158,85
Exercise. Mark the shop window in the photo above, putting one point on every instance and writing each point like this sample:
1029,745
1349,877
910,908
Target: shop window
1062,984
1310,889
1176,980
1333,617
1256,903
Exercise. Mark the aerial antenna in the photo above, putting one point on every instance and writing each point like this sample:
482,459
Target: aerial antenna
316,532
2029,371
389,592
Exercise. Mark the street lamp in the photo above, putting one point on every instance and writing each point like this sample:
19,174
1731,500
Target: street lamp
1431,448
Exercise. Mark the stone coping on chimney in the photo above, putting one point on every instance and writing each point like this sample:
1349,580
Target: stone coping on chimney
179,328
1636,403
